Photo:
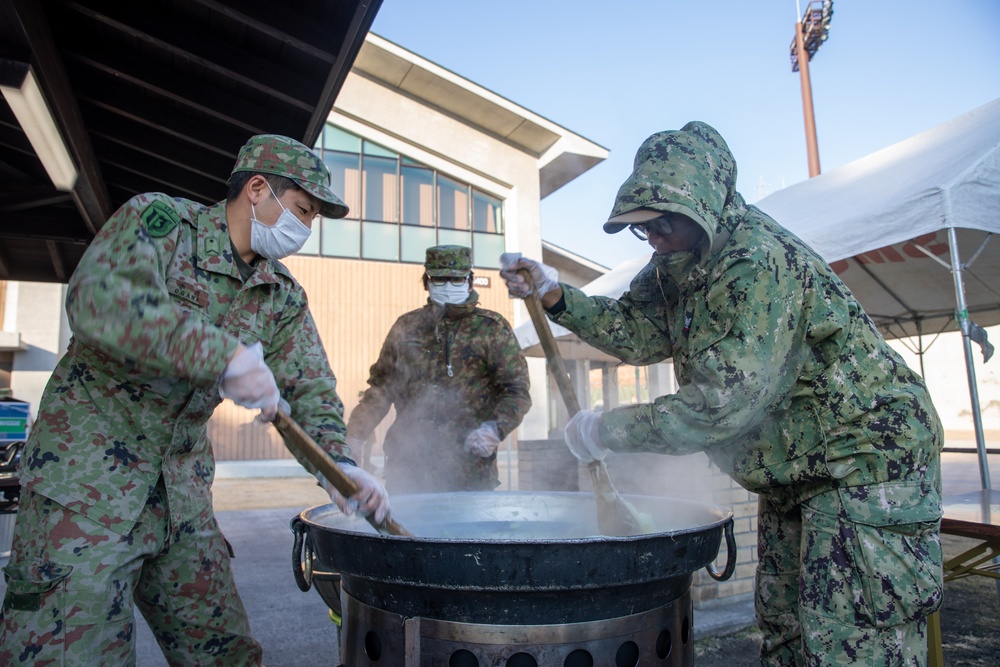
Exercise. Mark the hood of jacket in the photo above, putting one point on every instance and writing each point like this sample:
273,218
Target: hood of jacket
688,171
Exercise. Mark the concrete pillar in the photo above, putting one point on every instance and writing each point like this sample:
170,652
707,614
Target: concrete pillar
535,425
662,380
609,386
36,311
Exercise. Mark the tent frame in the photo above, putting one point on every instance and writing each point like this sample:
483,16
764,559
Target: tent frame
965,325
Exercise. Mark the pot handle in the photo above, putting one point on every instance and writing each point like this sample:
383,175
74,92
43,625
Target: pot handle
302,556
730,556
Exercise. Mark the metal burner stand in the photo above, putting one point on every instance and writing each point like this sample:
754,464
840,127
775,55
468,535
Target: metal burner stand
373,637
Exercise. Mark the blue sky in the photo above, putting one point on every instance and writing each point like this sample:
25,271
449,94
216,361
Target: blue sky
617,72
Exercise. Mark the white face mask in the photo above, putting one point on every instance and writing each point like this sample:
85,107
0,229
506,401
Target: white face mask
285,237
448,293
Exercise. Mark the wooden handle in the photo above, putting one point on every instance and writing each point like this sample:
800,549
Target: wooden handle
614,515
548,342
301,443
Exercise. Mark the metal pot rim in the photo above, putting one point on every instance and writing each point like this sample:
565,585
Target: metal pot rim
314,517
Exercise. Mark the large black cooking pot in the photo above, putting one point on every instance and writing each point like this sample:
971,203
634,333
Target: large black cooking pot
513,558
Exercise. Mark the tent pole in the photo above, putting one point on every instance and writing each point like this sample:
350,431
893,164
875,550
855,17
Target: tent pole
962,316
920,347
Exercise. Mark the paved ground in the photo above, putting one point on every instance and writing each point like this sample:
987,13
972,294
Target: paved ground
295,631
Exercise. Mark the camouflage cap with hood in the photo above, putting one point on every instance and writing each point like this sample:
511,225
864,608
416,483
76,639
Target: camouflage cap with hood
688,171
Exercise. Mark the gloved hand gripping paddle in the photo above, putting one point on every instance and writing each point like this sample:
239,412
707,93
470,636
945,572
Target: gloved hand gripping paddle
615,516
299,442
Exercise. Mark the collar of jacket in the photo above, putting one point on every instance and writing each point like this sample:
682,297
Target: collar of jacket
215,250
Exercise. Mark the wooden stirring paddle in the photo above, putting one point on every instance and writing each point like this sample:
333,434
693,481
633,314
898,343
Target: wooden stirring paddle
615,515
300,442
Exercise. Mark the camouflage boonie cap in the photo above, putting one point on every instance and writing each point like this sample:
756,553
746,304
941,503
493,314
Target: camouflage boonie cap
448,261
275,154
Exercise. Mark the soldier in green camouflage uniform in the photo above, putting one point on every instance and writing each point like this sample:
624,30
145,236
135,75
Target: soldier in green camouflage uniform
458,380
173,305
787,386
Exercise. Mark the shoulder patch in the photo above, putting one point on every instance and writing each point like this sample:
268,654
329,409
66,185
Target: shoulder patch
160,219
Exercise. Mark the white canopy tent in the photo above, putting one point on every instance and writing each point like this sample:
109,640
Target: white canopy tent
883,220
896,226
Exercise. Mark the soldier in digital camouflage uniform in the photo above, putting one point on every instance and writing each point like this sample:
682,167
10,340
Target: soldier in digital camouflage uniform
174,305
458,380
787,386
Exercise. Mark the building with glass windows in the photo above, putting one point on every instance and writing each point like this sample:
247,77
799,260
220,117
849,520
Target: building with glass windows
422,157
400,206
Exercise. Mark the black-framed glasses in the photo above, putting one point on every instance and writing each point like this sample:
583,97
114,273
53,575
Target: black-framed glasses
439,281
660,226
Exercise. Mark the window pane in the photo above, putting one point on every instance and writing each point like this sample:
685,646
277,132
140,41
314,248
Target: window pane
416,241
379,151
379,185
453,204
336,139
487,214
311,246
487,250
380,241
452,237
418,196
340,238
345,181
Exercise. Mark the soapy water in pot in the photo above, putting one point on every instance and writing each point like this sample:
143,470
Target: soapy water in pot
508,530
487,516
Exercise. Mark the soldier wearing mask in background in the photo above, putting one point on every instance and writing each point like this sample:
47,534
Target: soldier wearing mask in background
788,387
173,307
458,381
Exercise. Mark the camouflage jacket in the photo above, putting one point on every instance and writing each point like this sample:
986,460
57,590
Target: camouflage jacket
156,307
446,370
784,381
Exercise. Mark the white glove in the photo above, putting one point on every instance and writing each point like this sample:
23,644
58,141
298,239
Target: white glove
583,436
544,276
370,498
483,441
265,417
249,383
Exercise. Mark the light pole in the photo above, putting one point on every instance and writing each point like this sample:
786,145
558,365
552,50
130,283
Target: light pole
810,31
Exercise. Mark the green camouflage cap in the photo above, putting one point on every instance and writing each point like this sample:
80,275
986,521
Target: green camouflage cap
275,154
448,261
688,171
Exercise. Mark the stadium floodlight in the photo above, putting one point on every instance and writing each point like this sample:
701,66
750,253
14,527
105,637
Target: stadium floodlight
810,32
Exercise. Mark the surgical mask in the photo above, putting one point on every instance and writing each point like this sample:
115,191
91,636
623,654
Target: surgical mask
285,237
448,293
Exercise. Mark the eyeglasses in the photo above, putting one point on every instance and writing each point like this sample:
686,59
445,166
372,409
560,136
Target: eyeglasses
660,226
440,281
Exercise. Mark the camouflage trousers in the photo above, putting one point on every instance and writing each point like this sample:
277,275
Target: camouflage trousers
72,584
849,576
